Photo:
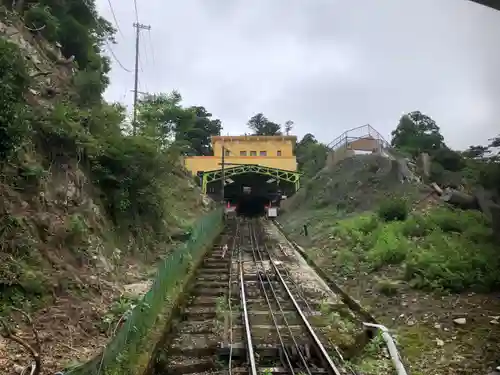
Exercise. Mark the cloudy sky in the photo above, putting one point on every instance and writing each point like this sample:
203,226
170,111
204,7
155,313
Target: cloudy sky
327,65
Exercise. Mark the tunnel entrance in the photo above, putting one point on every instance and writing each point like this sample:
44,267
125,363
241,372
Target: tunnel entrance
249,193
251,205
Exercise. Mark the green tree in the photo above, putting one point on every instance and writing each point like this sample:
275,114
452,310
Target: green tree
476,152
159,116
417,133
311,155
260,125
490,169
163,118
495,142
197,134
288,127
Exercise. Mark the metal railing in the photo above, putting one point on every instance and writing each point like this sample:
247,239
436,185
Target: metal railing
364,131
134,337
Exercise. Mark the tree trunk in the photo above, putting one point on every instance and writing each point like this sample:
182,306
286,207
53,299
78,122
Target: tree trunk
495,221
484,202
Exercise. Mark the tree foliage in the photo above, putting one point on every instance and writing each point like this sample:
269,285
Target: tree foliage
479,164
14,81
476,152
81,32
134,174
163,118
260,125
311,155
197,133
417,133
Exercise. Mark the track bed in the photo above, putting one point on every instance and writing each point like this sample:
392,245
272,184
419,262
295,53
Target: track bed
249,313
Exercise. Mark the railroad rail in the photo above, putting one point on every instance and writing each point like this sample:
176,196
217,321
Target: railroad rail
247,315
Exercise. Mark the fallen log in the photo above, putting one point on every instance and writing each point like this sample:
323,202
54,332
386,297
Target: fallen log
460,199
436,188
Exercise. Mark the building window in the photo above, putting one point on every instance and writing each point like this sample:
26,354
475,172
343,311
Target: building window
253,153
263,153
278,152
227,152
243,153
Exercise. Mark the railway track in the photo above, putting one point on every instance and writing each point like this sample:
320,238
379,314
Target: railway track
247,315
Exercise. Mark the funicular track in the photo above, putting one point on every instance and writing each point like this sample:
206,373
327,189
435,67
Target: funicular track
246,314
299,348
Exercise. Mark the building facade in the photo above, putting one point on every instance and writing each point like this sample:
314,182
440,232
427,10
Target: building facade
266,151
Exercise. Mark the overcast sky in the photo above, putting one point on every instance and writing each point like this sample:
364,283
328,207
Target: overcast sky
327,65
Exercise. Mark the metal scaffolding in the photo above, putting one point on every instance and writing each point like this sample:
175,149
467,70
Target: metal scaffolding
280,174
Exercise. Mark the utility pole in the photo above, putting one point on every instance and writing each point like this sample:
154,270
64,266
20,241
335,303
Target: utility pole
138,27
223,164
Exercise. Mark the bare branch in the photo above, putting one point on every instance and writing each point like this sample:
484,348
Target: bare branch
34,351
36,29
33,329
38,74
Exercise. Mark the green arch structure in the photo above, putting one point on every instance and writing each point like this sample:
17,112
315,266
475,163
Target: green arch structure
280,174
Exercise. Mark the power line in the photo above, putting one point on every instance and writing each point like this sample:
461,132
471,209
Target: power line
98,25
136,12
145,52
151,46
114,18
116,58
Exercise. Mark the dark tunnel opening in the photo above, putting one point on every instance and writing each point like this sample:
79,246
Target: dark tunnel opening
251,206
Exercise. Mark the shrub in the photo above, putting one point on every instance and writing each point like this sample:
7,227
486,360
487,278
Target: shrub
447,261
416,226
39,17
456,252
390,247
449,159
14,81
89,86
456,221
441,249
395,209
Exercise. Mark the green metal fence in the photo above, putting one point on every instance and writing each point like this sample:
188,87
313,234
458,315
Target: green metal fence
121,354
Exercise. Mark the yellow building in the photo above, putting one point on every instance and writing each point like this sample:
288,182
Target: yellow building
268,155
268,151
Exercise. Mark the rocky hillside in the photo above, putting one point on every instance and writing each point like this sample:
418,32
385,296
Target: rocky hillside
354,184
86,208
425,269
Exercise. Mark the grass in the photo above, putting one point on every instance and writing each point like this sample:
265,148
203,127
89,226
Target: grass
373,359
379,257
441,249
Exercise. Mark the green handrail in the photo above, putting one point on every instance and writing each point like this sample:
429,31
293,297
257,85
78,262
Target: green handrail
121,353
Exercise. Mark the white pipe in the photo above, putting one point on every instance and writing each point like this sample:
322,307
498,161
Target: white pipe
391,346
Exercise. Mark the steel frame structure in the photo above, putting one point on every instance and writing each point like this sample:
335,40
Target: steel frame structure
360,132
280,174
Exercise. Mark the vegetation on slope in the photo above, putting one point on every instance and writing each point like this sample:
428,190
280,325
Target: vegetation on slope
478,165
427,271
86,206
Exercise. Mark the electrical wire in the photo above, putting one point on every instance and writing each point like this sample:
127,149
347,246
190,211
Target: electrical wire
136,12
98,25
115,19
151,46
116,58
